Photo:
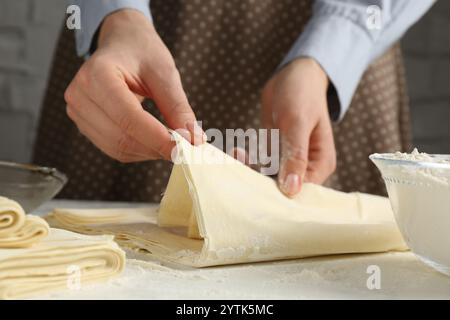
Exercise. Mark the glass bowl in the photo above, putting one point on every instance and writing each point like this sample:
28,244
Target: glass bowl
29,185
419,192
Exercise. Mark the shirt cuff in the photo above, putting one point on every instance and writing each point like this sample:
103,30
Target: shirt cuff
343,51
94,13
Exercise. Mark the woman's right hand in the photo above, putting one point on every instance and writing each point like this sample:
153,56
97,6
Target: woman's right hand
103,99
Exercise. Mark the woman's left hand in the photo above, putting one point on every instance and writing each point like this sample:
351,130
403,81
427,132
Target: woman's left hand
294,101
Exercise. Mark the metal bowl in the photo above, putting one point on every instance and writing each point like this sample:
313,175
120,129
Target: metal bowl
419,192
29,185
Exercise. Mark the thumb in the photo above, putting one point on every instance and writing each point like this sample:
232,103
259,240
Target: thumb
294,157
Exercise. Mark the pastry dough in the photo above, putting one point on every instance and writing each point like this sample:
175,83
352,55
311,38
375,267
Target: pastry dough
50,264
217,211
18,230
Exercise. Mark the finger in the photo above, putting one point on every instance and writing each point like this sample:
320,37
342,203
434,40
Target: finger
266,106
86,112
98,139
294,155
322,154
242,156
169,95
110,92
239,154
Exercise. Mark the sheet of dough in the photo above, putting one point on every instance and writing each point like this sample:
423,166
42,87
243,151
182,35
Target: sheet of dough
47,265
18,230
217,211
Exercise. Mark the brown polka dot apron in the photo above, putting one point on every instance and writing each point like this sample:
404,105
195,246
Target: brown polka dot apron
225,51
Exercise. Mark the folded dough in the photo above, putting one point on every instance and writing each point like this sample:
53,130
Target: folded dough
51,264
18,230
217,211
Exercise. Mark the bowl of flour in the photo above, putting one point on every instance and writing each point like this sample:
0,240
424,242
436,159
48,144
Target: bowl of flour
418,185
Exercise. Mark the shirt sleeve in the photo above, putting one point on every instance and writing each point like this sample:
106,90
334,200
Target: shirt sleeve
92,14
345,36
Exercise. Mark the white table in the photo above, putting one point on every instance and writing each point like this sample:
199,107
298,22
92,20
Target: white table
402,276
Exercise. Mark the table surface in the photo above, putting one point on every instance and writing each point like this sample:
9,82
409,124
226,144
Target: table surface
401,275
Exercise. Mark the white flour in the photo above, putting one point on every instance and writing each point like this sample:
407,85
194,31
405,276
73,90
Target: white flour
338,277
419,190
332,277
415,155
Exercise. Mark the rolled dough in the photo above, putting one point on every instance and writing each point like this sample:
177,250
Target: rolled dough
218,211
18,230
56,261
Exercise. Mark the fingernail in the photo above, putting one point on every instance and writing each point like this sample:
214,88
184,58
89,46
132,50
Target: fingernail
291,184
198,133
184,133
239,154
176,155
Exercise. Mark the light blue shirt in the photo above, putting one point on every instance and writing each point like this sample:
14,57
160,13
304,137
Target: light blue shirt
343,36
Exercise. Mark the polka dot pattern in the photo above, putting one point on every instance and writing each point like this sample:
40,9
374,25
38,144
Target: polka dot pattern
225,51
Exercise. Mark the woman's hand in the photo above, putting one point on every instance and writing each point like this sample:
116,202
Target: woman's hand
295,102
104,98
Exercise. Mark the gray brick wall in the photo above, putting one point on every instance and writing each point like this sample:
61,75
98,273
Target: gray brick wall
28,31
426,49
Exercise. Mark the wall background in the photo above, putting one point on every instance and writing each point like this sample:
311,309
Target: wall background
28,31
426,49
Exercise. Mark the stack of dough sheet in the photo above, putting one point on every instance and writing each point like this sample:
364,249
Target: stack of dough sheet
37,259
18,230
217,211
